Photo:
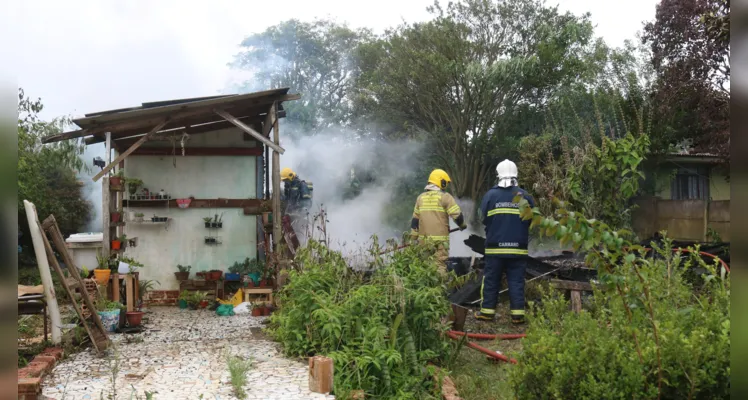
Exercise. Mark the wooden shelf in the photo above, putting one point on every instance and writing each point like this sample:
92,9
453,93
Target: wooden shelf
197,203
149,222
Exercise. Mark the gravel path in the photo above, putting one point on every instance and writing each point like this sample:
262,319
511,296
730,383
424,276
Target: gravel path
182,355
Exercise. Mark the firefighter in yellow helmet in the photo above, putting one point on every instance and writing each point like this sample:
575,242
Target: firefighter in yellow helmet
296,192
431,216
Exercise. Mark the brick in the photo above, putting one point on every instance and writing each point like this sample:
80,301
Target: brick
35,369
49,360
27,386
55,352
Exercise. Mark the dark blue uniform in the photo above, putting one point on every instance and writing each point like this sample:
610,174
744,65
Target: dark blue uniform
507,236
297,194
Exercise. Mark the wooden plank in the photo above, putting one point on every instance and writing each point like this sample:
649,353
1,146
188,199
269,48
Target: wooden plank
130,292
571,285
196,203
576,301
130,150
252,211
200,151
249,130
106,210
115,287
270,119
277,238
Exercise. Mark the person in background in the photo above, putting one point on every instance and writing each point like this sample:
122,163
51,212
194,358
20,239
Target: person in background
296,192
507,237
431,215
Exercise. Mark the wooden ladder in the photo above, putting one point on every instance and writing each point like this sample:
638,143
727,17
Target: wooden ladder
94,327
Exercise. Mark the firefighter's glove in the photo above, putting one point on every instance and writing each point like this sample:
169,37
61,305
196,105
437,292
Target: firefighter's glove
463,226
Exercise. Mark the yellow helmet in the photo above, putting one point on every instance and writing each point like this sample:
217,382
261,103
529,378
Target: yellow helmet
439,178
287,174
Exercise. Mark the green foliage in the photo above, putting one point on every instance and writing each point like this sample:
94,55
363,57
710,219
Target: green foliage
656,329
238,369
311,58
47,172
183,268
381,330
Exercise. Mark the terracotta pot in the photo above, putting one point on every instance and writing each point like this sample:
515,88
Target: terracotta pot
262,283
203,304
134,318
102,276
182,276
215,275
265,311
115,216
115,181
256,312
116,244
250,284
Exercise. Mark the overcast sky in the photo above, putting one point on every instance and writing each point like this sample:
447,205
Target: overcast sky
83,56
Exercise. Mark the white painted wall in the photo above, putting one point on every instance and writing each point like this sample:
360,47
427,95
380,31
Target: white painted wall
162,247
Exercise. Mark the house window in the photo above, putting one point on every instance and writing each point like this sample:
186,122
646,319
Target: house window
691,183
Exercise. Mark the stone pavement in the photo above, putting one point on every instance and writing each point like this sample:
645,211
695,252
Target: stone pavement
182,355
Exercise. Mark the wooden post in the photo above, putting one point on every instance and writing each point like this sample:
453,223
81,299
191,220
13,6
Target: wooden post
106,203
705,235
115,287
320,374
129,283
277,235
576,301
129,150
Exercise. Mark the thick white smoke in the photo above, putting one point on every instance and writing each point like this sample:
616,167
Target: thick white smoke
326,159
92,190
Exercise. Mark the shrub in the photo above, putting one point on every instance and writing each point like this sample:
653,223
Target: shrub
381,330
657,328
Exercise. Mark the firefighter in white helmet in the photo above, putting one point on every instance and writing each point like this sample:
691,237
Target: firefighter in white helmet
507,237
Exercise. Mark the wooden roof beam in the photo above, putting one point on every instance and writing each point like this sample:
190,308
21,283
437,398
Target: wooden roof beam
250,131
130,150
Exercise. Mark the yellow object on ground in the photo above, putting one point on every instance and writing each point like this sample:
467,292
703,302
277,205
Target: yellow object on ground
234,301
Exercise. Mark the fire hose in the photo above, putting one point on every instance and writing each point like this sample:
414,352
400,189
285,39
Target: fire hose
482,336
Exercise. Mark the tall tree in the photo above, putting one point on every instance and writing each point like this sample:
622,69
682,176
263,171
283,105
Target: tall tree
47,173
690,45
460,80
312,58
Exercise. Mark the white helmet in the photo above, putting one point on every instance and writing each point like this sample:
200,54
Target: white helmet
506,171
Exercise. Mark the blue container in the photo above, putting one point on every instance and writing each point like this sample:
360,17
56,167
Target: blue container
228,277
255,277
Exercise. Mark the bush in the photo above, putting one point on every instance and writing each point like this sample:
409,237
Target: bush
381,330
657,328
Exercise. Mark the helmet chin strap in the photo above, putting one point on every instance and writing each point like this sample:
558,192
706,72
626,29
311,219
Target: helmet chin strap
507,182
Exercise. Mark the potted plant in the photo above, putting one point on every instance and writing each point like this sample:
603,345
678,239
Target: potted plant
214,275
266,309
267,215
109,312
235,273
257,310
193,300
211,240
144,286
139,217
116,216
116,244
102,273
123,241
117,179
207,221
255,269
182,299
133,184
184,272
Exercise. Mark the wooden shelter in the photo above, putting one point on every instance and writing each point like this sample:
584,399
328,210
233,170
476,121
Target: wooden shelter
161,128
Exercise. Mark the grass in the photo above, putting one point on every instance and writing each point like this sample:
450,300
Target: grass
238,369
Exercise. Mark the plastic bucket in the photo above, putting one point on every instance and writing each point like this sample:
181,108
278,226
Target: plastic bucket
102,276
182,304
110,319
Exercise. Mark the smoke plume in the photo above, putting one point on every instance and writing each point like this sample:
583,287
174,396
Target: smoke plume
92,190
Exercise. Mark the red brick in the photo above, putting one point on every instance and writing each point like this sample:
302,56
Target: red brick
35,370
55,352
27,386
49,360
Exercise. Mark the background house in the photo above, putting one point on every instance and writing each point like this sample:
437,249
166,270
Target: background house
691,198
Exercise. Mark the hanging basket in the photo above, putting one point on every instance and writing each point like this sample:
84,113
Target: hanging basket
184,203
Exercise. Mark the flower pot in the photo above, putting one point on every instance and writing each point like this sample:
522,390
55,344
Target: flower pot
115,181
267,218
229,277
207,224
134,318
266,311
110,319
115,216
182,304
215,275
133,187
139,219
116,244
102,276
262,283
256,312
250,284
182,276
203,304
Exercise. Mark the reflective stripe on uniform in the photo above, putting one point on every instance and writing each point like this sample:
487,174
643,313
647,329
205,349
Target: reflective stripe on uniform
435,238
437,209
506,251
516,312
487,311
503,210
454,209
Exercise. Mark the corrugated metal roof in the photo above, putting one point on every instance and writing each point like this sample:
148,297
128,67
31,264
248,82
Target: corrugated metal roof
169,106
